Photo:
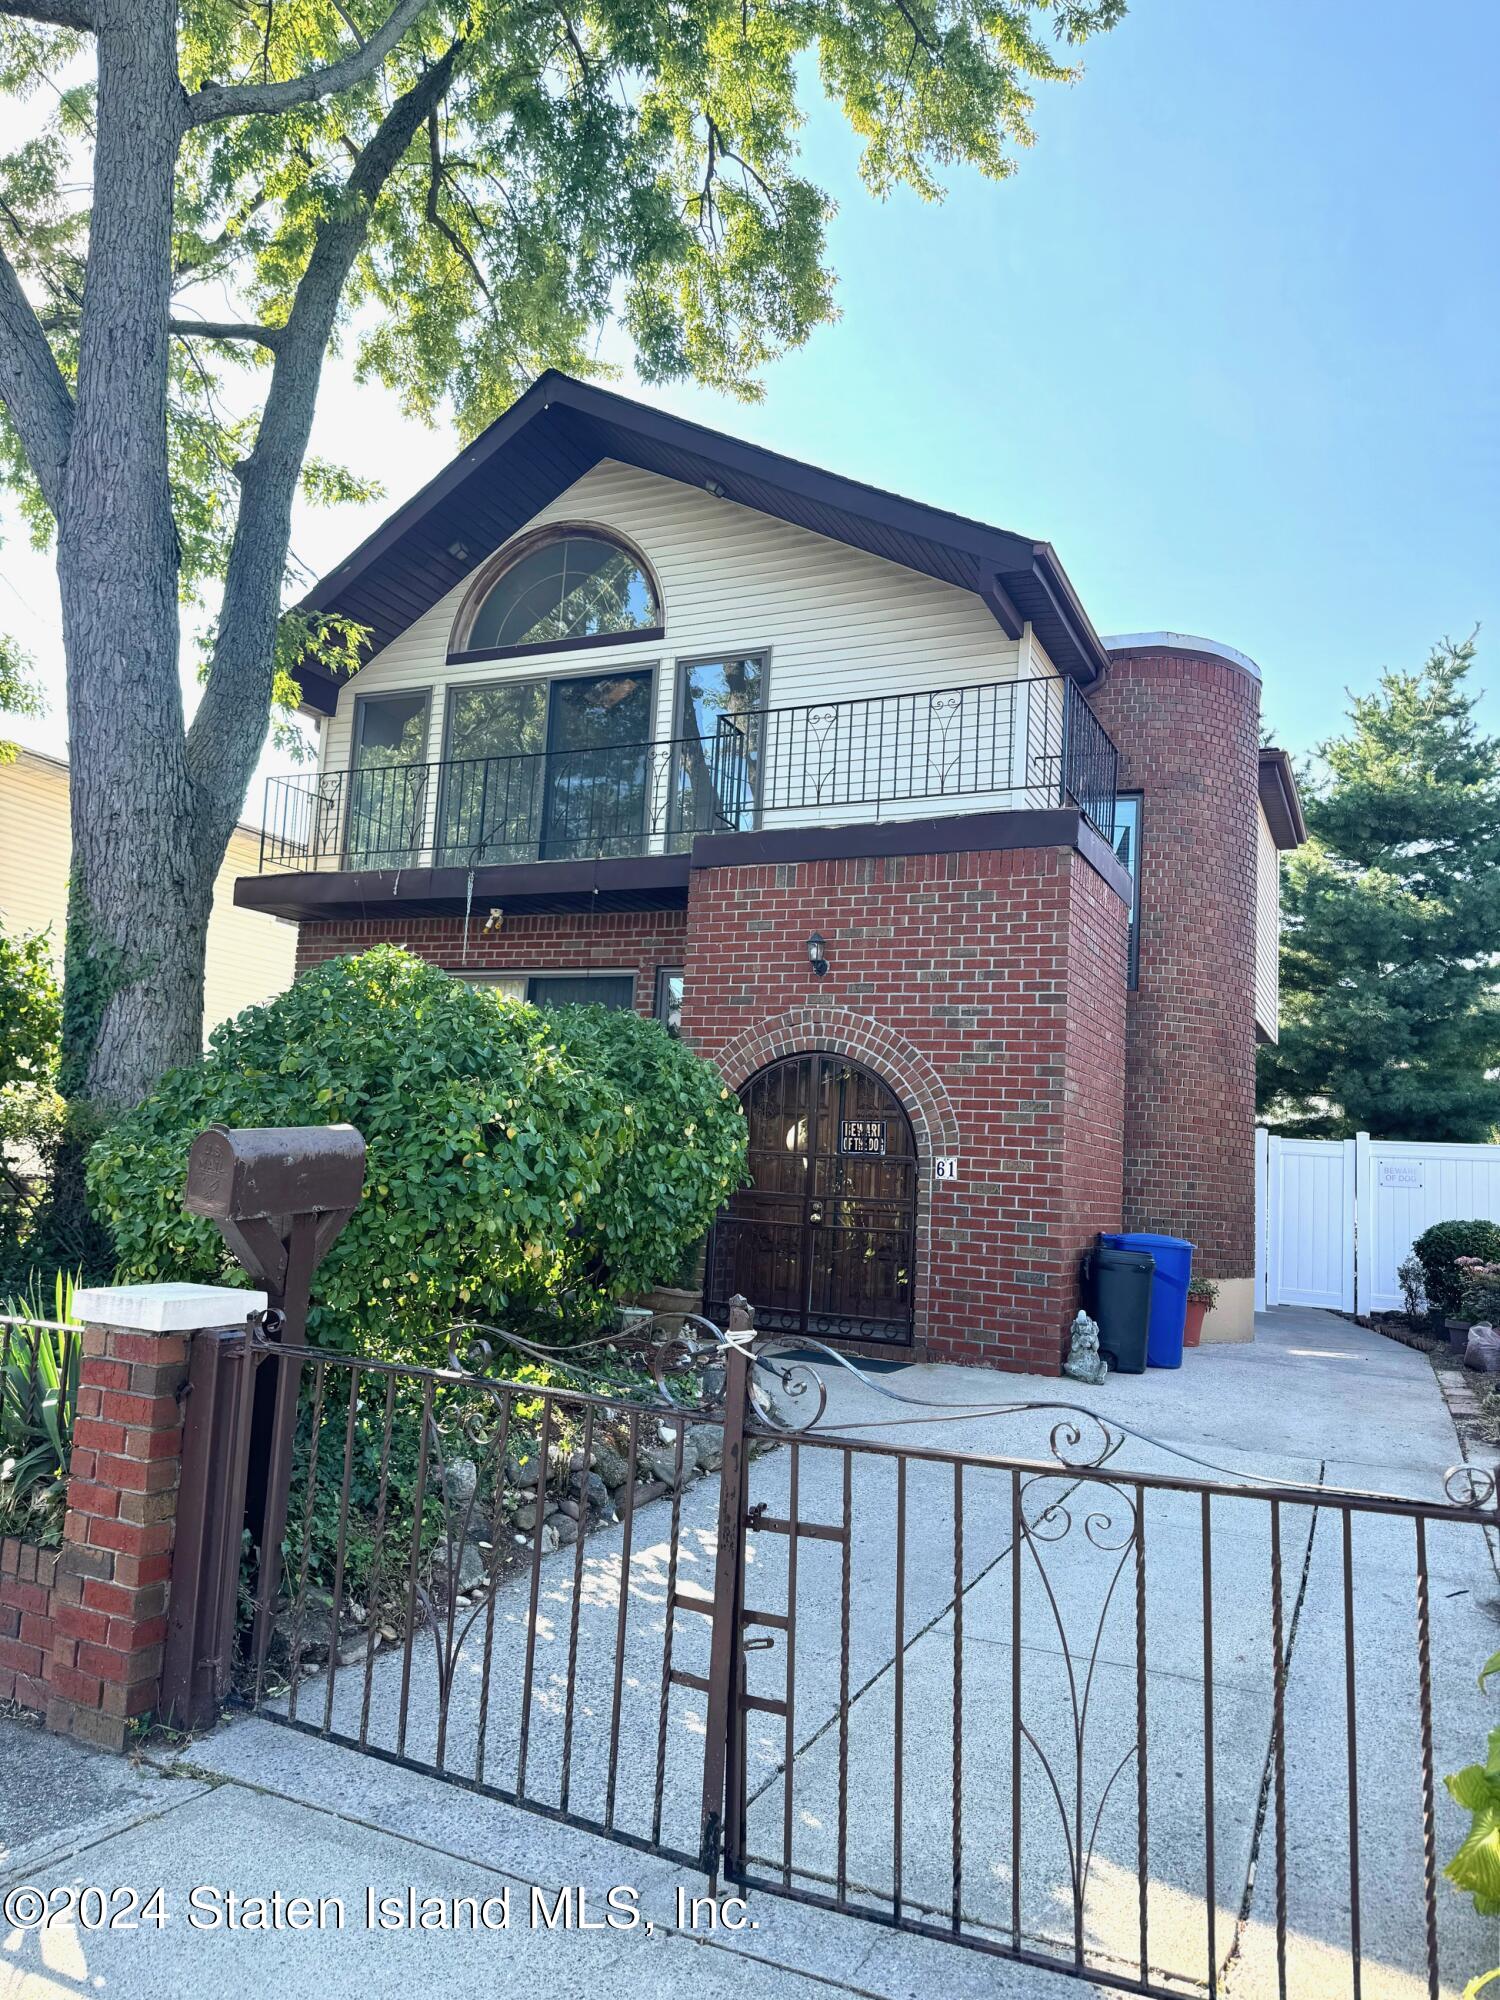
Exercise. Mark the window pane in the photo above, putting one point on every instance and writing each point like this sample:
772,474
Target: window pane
388,786
1128,854
575,588
717,761
583,990
392,730
598,766
669,998
494,782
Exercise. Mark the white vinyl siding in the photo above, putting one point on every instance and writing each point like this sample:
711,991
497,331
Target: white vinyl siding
1267,931
251,957
832,623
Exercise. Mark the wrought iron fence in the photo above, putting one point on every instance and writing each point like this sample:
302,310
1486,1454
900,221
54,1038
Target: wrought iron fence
1010,743
1160,1726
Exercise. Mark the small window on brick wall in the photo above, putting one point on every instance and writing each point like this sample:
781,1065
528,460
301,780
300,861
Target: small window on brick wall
582,989
668,1007
1128,854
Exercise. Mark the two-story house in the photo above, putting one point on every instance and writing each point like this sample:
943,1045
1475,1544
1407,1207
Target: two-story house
975,910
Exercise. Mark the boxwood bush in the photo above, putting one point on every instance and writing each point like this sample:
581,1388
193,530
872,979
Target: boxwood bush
1438,1250
524,1167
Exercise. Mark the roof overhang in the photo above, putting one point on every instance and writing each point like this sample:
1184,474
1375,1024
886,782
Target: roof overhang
561,428
1279,800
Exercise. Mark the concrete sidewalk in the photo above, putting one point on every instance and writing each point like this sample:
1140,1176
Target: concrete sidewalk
257,1808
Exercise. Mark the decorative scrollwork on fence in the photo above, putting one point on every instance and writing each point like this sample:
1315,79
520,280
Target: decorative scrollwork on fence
1469,1485
682,1353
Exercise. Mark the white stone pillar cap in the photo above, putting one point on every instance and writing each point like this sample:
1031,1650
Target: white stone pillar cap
166,1308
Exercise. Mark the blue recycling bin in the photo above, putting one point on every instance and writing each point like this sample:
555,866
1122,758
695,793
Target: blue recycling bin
1169,1290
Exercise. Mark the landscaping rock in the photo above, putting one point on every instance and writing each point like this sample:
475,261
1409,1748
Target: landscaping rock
564,1526
610,1464
459,1481
472,1570
647,1491
661,1464
592,1487
523,1473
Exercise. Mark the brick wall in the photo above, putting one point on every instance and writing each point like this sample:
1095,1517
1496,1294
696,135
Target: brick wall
987,989
26,1575
1187,727
612,941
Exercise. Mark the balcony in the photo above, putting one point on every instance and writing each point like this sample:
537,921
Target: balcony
1003,746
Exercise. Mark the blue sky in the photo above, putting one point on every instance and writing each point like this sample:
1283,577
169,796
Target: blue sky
1227,339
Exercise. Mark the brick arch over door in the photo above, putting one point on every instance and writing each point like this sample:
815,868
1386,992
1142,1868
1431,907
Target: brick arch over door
902,1067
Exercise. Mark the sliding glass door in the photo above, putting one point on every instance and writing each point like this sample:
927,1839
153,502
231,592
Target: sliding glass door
556,770
598,766
493,776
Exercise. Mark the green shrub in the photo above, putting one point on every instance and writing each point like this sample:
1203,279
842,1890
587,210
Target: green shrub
1475,1868
39,1364
521,1164
1438,1250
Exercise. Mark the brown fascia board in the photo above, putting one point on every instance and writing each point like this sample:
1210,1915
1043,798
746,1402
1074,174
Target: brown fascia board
1003,566
1279,799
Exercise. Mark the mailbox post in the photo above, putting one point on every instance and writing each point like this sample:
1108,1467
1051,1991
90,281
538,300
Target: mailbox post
279,1196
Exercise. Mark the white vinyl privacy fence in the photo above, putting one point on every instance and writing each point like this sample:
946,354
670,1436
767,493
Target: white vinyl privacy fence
1335,1217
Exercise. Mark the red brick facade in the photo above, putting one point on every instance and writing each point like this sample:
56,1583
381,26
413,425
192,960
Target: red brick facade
612,941
1187,727
987,990
26,1581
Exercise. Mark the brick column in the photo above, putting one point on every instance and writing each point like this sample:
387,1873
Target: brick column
109,1591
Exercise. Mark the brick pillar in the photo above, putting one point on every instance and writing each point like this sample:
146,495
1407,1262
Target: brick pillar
110,1588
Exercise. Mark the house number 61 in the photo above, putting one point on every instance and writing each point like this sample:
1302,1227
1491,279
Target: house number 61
946,1168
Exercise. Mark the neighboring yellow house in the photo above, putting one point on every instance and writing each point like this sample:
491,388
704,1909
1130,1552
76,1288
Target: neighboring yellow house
250,956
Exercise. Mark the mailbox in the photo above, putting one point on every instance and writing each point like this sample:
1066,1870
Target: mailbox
275,1170
279,1195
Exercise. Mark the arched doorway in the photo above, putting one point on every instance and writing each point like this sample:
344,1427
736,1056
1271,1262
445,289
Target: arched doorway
823,1241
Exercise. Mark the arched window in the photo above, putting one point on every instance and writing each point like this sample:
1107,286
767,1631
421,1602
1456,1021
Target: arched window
566,589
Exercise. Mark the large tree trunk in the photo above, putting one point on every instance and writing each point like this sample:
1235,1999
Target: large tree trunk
142,878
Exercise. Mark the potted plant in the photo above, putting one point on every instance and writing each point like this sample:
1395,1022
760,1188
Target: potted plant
1203,1296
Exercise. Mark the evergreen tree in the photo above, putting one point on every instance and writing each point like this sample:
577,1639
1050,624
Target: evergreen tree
1389,1015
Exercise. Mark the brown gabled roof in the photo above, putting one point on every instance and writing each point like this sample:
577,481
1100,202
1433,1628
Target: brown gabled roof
562,427
1279,800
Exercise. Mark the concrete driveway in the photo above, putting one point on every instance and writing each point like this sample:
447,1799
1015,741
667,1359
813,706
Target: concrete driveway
257,1807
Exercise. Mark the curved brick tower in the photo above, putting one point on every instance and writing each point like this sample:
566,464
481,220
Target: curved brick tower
1185,713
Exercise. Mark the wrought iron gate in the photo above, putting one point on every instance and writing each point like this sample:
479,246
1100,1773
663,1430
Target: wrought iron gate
1101,1721
824,1237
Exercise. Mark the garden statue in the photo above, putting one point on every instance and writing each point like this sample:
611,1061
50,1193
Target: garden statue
1085,1363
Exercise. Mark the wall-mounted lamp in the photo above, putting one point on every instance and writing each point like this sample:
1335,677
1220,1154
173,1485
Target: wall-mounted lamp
817,955
713,486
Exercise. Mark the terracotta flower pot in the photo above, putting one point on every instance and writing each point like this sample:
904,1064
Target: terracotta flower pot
1197,1310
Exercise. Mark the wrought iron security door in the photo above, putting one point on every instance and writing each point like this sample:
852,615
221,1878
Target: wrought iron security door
824,1238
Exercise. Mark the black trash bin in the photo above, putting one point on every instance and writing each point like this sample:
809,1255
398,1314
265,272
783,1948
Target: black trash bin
1117,1289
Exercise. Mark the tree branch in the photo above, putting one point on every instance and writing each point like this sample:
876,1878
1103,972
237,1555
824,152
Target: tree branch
52,13
228,329
244,100
32,388
226,735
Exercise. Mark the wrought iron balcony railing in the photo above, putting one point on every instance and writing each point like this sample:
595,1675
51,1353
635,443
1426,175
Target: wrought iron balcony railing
1003,745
